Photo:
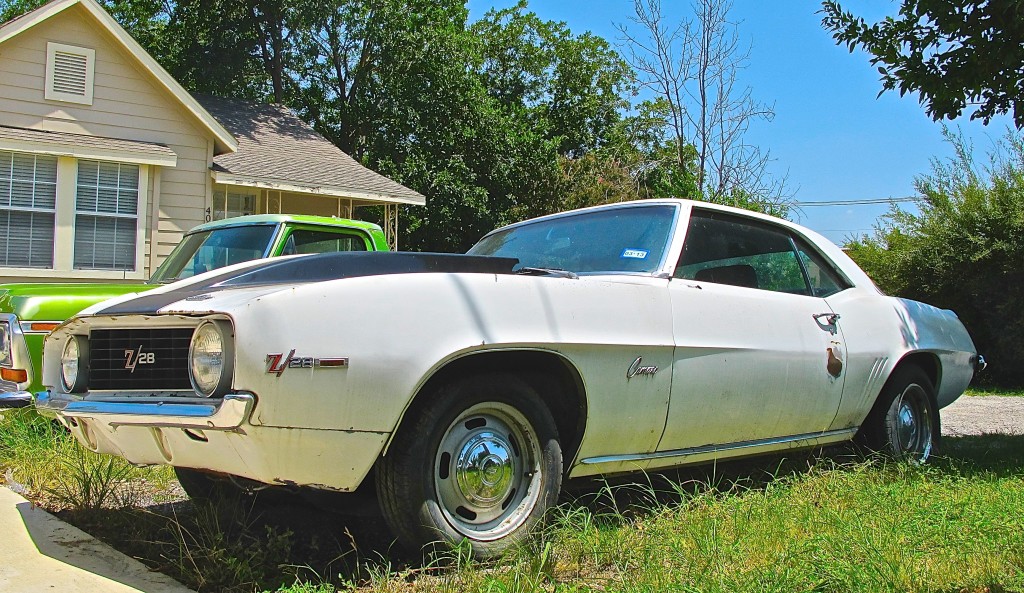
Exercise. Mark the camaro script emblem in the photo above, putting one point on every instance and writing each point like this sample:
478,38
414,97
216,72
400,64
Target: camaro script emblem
637,368
132,358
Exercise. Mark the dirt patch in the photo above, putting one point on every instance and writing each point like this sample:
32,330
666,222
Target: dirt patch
983,415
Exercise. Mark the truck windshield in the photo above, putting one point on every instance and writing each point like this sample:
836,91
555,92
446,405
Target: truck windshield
627,239
208,250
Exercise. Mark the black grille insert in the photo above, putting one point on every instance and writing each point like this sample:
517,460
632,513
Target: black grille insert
139,359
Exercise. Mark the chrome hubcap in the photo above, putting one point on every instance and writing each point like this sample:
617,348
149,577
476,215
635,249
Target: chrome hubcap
913,424
486,471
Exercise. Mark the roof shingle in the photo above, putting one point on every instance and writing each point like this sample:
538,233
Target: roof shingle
275,145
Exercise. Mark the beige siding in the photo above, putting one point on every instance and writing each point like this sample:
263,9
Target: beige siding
127,104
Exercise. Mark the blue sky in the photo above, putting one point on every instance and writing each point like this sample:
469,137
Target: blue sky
831,135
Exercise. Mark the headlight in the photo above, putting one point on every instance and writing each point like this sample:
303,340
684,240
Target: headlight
210,358
74,364
5,345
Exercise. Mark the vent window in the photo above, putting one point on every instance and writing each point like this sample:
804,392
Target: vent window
69,73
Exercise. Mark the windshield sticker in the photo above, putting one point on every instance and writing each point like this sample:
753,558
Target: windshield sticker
634,254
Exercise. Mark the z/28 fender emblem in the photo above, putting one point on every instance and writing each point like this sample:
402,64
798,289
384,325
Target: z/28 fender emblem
278,362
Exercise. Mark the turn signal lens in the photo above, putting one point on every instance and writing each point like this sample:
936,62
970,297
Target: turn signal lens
14,375
42,327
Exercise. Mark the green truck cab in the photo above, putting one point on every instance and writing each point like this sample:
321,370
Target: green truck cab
30,311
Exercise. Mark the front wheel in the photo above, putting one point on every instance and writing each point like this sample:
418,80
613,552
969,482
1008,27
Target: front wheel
904,424
481,464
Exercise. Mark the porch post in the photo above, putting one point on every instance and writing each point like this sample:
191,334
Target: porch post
391,226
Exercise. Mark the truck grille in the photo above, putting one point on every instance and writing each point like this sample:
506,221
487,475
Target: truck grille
139,359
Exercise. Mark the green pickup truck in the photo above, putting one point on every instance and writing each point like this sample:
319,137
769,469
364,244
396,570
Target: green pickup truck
30,311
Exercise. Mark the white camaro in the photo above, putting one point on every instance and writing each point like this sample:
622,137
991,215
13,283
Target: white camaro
465,388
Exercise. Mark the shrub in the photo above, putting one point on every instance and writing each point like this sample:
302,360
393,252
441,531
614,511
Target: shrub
963,251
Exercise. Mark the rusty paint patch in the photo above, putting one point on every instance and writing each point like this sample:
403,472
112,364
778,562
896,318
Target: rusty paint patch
834,365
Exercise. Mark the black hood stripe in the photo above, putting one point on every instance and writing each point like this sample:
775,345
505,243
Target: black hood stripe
319,268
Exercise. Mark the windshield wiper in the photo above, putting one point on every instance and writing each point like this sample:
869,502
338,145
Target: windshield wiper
552,271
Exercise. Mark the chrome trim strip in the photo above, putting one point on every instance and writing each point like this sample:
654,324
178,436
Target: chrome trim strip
227,414
15,399
812,436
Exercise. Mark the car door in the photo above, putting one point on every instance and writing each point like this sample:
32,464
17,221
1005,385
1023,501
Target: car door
759,354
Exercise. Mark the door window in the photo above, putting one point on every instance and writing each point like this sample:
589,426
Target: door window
727,249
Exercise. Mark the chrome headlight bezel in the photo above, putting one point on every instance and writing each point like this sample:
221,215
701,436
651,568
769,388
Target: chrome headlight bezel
204,351
6,345
74,364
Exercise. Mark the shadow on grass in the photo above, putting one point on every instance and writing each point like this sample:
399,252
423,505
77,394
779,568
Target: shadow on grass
989,457
269,541
246,543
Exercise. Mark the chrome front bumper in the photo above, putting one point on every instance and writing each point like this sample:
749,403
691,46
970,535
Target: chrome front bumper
15,399
226,414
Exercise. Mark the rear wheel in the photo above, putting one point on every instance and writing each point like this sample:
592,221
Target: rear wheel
904,424
481,464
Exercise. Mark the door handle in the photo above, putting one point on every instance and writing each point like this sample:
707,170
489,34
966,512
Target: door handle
830,318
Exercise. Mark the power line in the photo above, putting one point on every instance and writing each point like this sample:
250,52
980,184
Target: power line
864,202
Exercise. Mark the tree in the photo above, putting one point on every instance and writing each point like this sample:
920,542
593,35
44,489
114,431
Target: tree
963,250
693,68
952,53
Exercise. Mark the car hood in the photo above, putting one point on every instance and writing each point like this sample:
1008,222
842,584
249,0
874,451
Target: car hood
55,302
274,274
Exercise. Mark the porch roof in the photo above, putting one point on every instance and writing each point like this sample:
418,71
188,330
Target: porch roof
277,150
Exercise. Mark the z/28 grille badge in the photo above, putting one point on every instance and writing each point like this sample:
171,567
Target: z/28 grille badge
278,362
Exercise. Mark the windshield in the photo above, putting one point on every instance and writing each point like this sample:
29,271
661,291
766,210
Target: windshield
629,239
209,250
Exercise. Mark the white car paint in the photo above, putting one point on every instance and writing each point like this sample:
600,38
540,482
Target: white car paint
739,370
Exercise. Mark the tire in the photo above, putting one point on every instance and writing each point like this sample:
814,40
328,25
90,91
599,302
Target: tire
481,463
904,423
200,485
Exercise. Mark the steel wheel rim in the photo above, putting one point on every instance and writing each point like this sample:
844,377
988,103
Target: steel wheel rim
913,424
487,471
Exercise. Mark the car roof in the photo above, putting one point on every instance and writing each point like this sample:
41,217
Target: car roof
257,219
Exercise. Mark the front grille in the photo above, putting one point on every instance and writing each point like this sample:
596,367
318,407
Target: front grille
159,358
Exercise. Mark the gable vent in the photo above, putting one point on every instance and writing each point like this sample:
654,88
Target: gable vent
69,73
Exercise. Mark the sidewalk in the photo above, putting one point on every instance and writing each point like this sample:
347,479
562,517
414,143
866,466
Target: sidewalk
39,552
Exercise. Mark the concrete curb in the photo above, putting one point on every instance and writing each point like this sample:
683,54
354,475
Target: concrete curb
39,552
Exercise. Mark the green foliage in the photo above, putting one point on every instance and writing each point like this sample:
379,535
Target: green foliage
952,53
494,121
963,251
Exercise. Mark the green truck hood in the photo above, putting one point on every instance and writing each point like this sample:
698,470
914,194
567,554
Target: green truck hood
57,302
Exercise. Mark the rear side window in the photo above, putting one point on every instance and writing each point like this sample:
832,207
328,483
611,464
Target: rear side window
728,249
312,241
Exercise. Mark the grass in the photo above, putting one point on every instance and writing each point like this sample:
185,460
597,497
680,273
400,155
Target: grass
821,523
997,391
40,459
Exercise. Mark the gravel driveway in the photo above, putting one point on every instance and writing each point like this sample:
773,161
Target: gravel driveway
983,415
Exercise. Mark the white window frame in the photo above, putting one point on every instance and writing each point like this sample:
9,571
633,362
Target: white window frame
137,217
34,209
64,238
49,93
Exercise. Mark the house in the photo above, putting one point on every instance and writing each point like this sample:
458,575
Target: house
105,160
